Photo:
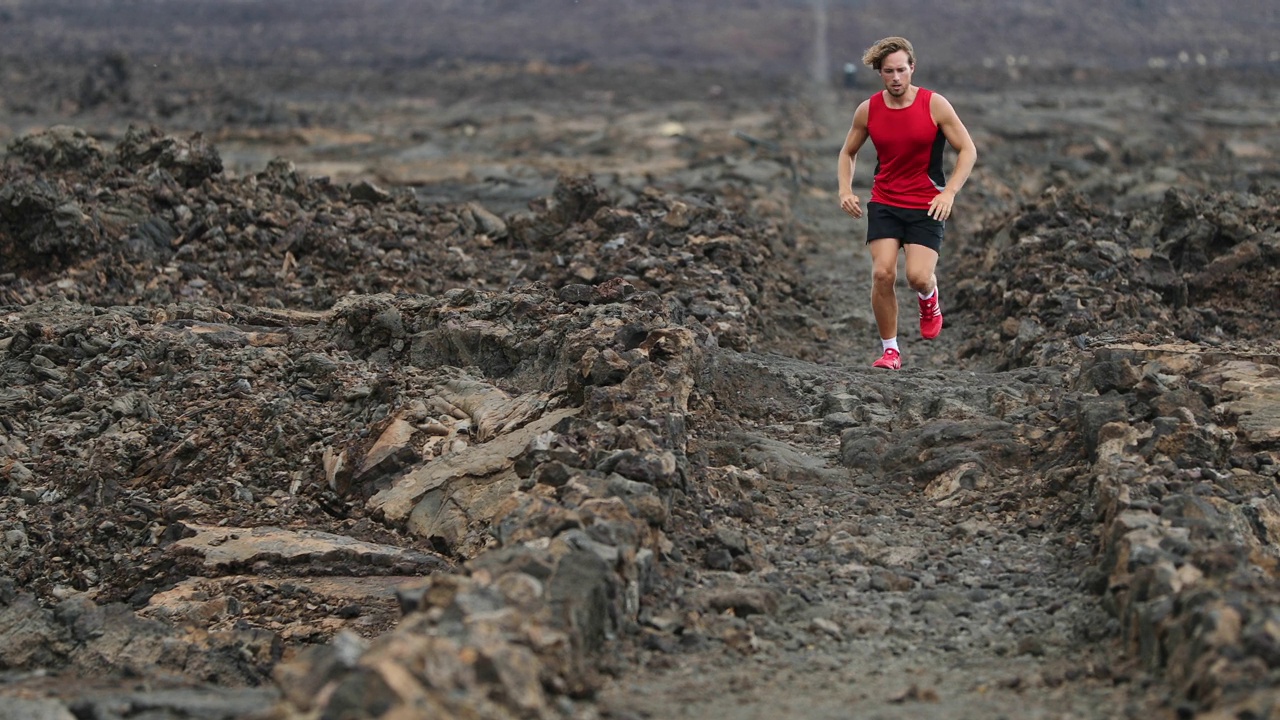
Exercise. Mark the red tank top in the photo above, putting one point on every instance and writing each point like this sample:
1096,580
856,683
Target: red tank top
909,147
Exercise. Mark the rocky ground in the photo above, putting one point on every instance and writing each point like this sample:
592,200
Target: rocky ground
544,391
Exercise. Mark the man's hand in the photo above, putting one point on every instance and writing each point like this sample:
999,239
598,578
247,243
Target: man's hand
851,204
940,205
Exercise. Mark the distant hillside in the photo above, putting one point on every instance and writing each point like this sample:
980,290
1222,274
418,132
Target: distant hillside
758,35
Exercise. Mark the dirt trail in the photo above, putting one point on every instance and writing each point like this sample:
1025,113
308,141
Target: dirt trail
872,596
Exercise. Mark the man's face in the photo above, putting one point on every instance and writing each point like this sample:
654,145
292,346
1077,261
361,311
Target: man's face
896,71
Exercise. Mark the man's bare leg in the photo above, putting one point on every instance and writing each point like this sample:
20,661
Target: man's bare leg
884,274
921,264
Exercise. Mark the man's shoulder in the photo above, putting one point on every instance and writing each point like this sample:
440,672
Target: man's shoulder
937,99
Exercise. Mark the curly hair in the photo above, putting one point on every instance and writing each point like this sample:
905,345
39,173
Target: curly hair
875,55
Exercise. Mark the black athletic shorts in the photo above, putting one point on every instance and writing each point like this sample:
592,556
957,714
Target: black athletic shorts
909,227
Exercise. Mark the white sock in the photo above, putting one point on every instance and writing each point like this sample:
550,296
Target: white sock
932,292
890,344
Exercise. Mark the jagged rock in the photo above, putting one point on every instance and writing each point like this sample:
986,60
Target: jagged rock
484,642
1251,397
61,147
440,499
1130,284
229,548
190,162
487,222
368,192
31,637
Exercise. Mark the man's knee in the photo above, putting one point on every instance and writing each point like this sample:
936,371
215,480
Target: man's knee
919,280
884,276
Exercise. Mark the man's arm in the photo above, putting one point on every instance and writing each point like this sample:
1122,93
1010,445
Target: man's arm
853,142
958,136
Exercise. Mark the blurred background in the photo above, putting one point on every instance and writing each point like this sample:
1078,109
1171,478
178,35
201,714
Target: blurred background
768,36
775,37
410,91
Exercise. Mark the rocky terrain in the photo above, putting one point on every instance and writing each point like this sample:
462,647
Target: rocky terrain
507,388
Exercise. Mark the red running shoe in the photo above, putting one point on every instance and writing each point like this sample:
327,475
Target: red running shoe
930,317
890,360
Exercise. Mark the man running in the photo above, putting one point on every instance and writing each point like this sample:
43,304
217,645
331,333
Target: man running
911,198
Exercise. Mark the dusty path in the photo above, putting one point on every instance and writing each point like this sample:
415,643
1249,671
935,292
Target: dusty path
853,590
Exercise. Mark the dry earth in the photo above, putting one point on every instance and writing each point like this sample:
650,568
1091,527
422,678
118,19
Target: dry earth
543,390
